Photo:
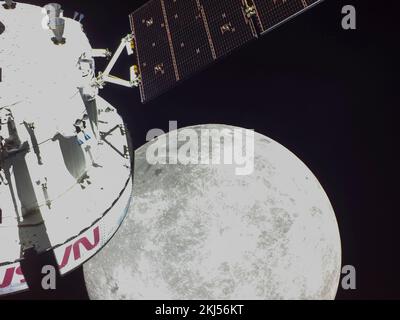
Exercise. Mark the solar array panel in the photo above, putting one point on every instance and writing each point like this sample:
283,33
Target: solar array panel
228,26
190,43
274,12
177,38
153,51
271,13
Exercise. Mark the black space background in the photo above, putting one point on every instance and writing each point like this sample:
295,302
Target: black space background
327,94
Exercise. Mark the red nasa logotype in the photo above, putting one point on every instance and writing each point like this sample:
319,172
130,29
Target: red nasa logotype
71,255
11,277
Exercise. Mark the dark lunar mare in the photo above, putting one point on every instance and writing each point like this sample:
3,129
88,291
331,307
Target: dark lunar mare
2,27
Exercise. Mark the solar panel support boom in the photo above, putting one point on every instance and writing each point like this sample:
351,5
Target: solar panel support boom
127,43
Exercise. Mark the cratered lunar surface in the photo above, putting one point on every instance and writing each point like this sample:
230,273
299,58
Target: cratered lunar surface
204,232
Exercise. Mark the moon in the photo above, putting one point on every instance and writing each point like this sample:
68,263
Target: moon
203,232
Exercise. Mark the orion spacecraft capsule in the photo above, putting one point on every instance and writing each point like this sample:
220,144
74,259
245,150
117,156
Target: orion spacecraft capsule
65,157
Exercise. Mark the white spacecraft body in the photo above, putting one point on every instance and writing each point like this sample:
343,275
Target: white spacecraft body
65,160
